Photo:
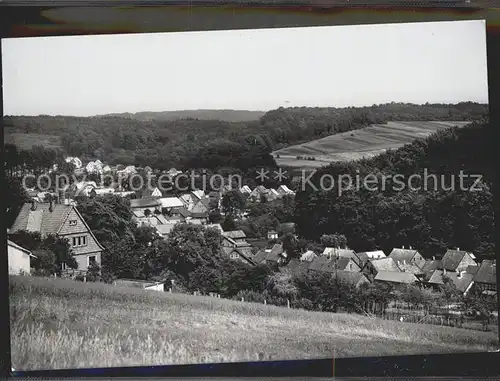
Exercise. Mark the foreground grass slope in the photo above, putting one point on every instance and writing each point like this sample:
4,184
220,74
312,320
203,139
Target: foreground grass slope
65,324
354,145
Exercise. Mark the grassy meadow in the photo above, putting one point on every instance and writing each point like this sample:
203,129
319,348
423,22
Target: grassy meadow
354,145
27,141
59,323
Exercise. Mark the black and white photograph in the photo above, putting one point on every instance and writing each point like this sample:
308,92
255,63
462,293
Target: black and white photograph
249,195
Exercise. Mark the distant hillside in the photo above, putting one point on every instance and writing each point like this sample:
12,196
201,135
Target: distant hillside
224,115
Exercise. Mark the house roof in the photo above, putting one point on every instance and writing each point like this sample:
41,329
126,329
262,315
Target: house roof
410,268
245,189
44,221
342,263
138,213
148,192
146,202
431,265
461,281
452,259
341,253
215,226
260,256
171,202
309,255
199,214
285,189
275,254
395,277
400,255
350,277
486,273
321,264
385,264
15,245
235,234
183,212
472,269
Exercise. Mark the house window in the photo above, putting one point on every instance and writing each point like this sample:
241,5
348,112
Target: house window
72,222
64,266
234,256
79,241
91,260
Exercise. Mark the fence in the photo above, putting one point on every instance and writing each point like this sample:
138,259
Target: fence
449,320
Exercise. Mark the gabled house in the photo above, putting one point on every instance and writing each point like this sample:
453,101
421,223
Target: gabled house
463,281
365,256
355,279
236,235
457,260
346,264
407,257
374,266
167,204
152,192
188,199
283,190
485,277
242,254
63,221
296,267
245,189
308,256
201,206
321,264
257,193
272,195
335,252
19,259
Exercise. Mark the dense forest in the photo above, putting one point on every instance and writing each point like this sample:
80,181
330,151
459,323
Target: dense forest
433,216
212,144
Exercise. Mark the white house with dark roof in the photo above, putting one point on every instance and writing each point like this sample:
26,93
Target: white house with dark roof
64,221
19,259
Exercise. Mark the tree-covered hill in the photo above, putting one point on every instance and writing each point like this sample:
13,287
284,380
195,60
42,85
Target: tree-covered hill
189,142
224,115
436,214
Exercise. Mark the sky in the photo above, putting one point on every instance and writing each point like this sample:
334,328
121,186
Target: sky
438,62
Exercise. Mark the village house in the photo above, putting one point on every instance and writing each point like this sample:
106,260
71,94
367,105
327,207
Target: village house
201,206
145,205
347,264
407,257
271,257
236,235
335,252
296,267
245,189
152,192
168,204
355,279
374,266
141,284
283,190
365,256
240,252
485,277
100,191
64,221
82,188
308,256
272,235
457,260
257,193
321,264
462,280
19,259
393,277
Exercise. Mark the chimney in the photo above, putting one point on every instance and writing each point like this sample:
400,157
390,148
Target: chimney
33,204
51,206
